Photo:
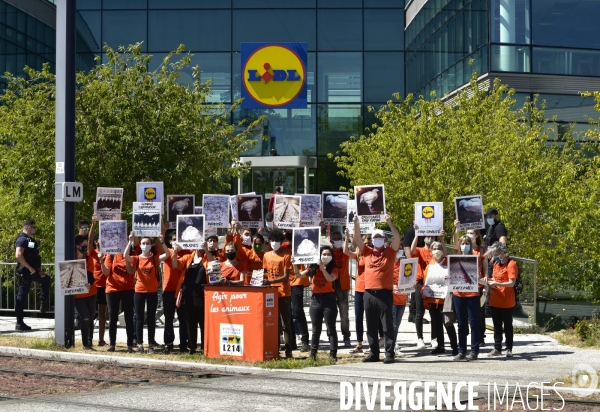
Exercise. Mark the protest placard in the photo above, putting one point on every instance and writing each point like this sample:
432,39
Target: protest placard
335,208
309,210
365,228
287,211
306,245
258,277
436,285
234,205
463,271
113,236
151,192
216,211
72,277
469,211
190,231
179,205
250,211
109,203
370,203
429,218
407,278
146,218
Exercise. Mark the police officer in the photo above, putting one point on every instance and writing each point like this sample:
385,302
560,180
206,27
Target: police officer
29,269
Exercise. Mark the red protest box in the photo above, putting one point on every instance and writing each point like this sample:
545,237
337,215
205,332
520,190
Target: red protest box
241,323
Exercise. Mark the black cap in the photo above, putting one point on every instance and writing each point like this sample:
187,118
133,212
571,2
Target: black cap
215,237
491,211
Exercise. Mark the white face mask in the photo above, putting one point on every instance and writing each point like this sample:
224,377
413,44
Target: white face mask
146,248
269,225
437,254
246,240
325,259
275,245
378,242
338,243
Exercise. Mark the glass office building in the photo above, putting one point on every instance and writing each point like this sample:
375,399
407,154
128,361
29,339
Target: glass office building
545,47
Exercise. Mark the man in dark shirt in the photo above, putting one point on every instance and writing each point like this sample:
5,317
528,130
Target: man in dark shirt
495,229
29,269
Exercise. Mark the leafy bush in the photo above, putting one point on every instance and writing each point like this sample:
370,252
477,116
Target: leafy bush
588,331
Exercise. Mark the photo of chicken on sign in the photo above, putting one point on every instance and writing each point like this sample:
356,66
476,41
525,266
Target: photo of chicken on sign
250,211
370,203
335,208
179,205
469,212
306,245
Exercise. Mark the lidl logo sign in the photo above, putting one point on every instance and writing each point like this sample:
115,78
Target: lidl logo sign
428,212
273,75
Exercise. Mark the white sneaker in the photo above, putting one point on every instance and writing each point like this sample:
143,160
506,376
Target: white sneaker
420,344
434,344
398,352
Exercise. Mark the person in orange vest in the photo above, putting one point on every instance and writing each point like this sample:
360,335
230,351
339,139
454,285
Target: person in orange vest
342,283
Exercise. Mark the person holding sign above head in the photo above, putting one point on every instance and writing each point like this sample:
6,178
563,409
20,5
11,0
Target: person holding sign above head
233,271
399,303
502,296
322,302
342,283
190,292
359,291
212,243
438,269
146,286
277,266
379,283
85,303
466,306
99,280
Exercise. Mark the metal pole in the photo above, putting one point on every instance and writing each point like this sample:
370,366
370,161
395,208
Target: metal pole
65,161
535,308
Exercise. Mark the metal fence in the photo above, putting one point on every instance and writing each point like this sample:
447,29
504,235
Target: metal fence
9,288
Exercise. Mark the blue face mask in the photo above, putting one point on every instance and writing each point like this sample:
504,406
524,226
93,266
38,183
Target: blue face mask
465,248
498,260
490,221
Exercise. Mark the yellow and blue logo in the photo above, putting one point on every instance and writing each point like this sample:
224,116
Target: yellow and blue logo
274,75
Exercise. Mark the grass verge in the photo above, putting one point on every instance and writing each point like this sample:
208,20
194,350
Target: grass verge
571,338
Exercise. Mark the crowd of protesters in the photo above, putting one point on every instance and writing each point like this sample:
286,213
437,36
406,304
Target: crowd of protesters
128,283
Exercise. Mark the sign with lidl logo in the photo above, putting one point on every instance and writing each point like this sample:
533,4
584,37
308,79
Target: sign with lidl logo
274,75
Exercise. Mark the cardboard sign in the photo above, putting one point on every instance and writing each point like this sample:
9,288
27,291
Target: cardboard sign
370,203
216,210
146,218
407,278
286,214
469,212
463,273
190,231
335,208
113,237
179,205
306,245
72,277
151,192
109,203
310,207
250,211
429,217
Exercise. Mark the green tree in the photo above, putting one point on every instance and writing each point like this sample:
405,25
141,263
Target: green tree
429,150
132,125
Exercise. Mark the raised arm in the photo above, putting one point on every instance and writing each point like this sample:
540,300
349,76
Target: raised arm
160,243
413,246
126,255
396,242
455,236
91,232
347,252
443,242
357,240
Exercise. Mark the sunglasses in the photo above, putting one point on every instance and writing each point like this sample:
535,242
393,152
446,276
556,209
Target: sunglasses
85,229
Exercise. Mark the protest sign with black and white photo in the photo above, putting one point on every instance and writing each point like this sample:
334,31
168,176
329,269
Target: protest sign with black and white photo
436,285
198,210
146,219
463,273
72,277
113,236
250,211
365,228
370,203
150,192
311,206
335,208
306,245
286,213
234,206
429,218
179,205
407,278
469,212
109,203
216,210
190,231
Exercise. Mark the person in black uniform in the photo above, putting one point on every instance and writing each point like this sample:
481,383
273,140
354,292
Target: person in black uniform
495,231
29,269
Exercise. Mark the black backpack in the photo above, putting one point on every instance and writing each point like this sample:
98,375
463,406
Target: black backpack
518,282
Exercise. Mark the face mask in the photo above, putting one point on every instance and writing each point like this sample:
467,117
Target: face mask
326,259
338,243
498,260
230,255
211,244
173,243
437,254
257,248
146,248
246,240
427,240
465,248
490,221
275,246
83,249
269,225
378,242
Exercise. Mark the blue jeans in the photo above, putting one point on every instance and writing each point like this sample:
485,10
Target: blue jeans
397,313
359,312
23,292
467,313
